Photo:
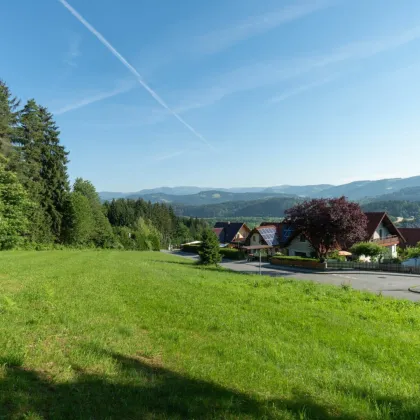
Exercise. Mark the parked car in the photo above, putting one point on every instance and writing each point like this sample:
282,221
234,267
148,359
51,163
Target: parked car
412,262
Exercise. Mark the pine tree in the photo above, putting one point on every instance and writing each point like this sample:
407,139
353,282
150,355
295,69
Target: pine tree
27,141
53,171
209,249
8,118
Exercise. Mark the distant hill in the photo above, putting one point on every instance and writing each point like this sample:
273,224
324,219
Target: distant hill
406,194
271,207
362,189
165,193
358,190
208,197
303,190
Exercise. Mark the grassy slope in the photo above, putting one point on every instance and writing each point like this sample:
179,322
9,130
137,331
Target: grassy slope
103,334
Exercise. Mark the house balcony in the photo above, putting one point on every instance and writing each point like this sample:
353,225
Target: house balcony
387,240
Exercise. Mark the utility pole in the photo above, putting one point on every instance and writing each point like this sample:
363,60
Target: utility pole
260,261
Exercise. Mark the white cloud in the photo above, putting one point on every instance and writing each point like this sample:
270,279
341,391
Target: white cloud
219,40
272,72
301,89
97,97
168,156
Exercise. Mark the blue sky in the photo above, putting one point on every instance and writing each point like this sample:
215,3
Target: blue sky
222,93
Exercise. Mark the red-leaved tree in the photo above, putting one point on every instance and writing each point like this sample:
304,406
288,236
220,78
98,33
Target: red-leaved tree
328,224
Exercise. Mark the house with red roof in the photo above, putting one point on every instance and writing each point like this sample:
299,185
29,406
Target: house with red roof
380,229
411,236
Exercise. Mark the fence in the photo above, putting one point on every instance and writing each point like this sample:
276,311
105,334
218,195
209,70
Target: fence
374,266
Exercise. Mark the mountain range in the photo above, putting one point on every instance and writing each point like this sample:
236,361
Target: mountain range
358,190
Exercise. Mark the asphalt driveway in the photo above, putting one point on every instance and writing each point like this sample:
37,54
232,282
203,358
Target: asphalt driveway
389,284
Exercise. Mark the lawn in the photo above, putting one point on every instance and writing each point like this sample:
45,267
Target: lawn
130,335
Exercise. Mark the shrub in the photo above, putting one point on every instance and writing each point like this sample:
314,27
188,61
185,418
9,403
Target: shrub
232,253
336,256
293,258
368,249
209,248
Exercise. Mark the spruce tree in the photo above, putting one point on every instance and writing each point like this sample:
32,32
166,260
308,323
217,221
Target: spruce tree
28,140
53,171
8,118
209,248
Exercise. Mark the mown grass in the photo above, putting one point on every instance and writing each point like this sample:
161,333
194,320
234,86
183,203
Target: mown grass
129,335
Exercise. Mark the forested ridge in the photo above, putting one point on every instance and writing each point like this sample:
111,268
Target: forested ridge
38,207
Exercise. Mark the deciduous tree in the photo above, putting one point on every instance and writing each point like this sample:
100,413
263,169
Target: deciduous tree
14,209
328,223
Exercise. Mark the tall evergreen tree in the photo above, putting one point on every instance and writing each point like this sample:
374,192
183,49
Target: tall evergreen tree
42,166
27,142
209,249
8,118
53,171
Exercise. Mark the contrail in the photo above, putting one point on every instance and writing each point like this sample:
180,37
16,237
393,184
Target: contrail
157,98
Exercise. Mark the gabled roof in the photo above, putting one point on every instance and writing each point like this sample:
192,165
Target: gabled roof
219,233
269,234
411,236
375,219
230,229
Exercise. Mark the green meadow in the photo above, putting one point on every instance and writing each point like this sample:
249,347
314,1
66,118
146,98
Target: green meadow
132,335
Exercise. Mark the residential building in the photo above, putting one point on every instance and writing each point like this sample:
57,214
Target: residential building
411,236
264,237
380,230
231,232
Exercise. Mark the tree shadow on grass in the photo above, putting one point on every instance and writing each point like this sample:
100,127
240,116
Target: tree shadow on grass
143,390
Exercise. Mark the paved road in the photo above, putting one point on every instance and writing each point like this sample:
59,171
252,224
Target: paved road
390,284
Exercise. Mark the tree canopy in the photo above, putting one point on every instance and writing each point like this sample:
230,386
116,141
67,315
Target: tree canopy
39,209
328,224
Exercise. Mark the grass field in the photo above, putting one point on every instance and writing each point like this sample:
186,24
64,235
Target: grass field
129,335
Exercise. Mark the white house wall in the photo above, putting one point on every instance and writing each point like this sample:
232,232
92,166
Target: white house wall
385,232
297,246
255,239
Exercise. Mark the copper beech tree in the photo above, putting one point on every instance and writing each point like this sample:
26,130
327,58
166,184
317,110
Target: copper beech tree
328,224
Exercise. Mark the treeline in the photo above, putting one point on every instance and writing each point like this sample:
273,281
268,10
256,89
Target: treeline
406,209
38,208
271,207
139,224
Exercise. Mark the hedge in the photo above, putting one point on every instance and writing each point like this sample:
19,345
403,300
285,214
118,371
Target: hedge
293,258
230,253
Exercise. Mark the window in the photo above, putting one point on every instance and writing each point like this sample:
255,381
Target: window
302,238
300,254
381,233
254,238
